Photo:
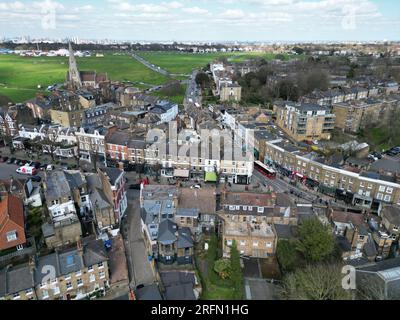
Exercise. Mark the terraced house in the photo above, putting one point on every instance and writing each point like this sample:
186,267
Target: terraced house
71,274
364,189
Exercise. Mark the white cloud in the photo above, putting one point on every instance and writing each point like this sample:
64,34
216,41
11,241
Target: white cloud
195,10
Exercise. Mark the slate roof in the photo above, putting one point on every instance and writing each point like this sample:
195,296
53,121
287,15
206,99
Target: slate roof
113,174
57,185
148,293
184,212
166,232
392,214
75,179
185,239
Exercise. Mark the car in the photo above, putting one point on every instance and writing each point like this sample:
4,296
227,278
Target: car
37,165
11,160
32,171
49,167
4,159
17,161
140,286
23,162
196,186
134,186
36,178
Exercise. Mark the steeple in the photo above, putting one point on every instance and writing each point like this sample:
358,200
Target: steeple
74,75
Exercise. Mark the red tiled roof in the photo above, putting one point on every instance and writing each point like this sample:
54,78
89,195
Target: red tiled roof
14,208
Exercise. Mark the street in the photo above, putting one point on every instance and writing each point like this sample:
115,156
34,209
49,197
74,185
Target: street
140,269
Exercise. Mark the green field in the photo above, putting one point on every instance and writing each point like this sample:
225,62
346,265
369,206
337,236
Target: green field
185,63
20,76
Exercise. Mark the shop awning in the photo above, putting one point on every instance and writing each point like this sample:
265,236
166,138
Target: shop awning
211,177
181,173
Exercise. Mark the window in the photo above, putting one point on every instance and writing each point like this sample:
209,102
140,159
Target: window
382,188
100,265
45,294
244,208
268,245
389,190
250,208
78,274
255,243
69,285
68,277
387,198
90,269
229,242
395,228
231,208
79,282
28,292
260,209
92,278
242,243
379,196
370,186
103,275
16,296
11,236
237,207
56,290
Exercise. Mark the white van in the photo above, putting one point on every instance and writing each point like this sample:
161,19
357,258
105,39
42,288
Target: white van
31,171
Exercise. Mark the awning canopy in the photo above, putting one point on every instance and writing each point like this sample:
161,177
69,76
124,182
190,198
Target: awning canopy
181,173
211,177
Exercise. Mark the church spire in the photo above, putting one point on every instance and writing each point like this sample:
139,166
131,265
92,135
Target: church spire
74,75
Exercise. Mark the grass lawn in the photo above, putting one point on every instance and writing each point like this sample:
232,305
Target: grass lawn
185,63
20,76
214,287
379,138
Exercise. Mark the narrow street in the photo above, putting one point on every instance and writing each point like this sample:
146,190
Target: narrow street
140,269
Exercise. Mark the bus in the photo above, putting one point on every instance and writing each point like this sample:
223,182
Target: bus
262,168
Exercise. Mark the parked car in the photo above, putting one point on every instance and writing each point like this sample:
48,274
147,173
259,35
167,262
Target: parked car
11,160
196,186
23,162
37,165
17,161
49,167
32,171
4,159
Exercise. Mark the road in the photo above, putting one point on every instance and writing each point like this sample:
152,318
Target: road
150,65
140,269
280,185
193,92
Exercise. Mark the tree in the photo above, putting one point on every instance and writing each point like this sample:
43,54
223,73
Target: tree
236,271
316,241
223,268
50,143
286,254
173,89
203,80
318,282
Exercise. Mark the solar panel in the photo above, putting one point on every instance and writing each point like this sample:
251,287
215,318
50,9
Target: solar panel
70,260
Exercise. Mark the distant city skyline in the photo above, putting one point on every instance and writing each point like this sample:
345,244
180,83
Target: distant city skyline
204,20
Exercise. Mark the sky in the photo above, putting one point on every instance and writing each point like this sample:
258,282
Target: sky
203,20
